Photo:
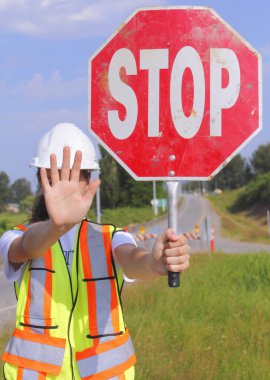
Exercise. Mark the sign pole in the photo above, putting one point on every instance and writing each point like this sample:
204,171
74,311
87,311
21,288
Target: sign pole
172,195
268,221
155,198
98,204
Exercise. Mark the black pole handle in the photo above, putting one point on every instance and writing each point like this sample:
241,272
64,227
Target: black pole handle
173,279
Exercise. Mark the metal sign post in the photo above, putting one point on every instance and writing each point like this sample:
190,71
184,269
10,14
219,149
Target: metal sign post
98,204
155,198
172,195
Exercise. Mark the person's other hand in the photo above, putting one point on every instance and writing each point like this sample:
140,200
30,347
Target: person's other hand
170,253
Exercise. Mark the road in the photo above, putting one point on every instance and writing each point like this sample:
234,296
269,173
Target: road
193,209
7,301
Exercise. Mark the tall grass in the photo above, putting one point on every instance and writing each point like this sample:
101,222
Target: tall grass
243,226
9,220
214,327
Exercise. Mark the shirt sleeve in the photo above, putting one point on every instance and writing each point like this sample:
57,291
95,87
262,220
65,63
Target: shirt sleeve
11,272
120,238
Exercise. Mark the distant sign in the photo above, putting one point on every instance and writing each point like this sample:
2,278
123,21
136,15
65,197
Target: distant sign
162,203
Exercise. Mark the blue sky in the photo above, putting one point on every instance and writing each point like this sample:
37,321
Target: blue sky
45,46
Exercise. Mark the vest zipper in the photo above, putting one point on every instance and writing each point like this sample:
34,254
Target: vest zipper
69,276
74,300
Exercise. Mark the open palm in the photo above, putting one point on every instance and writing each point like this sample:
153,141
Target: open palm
67,198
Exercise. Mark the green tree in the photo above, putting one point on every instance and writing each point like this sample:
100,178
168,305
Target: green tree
109,190
233,176
255,194
118,188
20,189
26,203
260,160
4,190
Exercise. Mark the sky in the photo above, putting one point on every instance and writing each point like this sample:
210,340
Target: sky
44,50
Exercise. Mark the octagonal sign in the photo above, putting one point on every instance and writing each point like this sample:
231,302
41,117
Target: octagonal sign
175,93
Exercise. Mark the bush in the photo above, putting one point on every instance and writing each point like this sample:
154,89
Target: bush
256,192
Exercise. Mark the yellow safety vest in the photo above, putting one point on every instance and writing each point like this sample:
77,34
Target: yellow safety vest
70,326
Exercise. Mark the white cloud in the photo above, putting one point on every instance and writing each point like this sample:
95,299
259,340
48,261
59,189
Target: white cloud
67,18
38,88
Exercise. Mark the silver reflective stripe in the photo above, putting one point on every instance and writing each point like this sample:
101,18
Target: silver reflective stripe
38,280
97,252
37,290
38,262
35,351
29,375
99,268
106,360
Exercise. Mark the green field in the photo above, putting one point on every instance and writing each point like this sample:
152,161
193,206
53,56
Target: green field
120,217
249,225
214,327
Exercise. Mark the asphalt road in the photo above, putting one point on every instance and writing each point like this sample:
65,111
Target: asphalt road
192,211
7,301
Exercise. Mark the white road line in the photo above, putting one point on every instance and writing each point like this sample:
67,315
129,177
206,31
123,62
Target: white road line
183,207
8,308
203,212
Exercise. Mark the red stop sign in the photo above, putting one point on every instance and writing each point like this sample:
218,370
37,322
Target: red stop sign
175,93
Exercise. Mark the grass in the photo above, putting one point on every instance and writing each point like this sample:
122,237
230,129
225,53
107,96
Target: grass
4,337
126,216
121,217
9,220
243,226
214,327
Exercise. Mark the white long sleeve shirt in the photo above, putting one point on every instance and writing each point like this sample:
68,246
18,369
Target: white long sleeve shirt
13,273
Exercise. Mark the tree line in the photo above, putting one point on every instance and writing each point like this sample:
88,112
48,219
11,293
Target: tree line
15,192
120,189
239,171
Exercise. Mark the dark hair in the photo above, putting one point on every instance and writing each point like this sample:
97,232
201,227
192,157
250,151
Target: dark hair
39,211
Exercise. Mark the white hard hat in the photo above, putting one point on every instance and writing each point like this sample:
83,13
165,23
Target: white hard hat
65,134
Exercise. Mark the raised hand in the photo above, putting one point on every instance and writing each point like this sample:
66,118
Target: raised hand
67,198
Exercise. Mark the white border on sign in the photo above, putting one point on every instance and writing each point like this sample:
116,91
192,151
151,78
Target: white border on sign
216,171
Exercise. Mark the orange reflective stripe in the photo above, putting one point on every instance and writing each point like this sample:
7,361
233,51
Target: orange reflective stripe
21,227
48,290
20,373
103,347
107,244
40,338
33,364
90,286
114,299
41,376
113,371
122,377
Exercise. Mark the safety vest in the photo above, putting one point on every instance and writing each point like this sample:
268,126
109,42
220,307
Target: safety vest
70,325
